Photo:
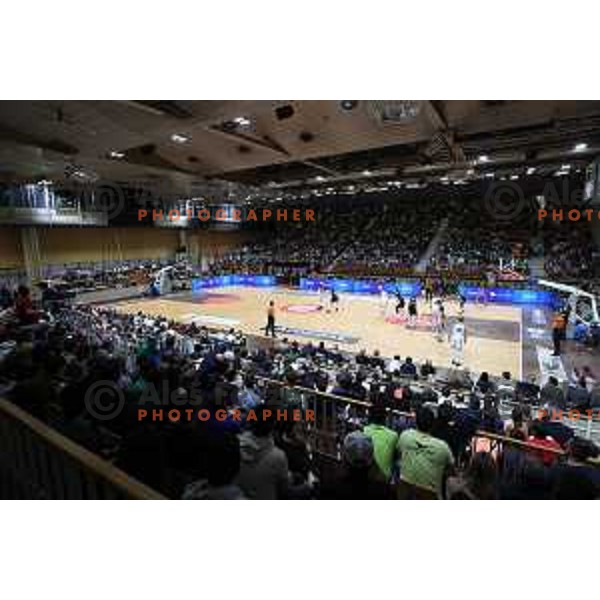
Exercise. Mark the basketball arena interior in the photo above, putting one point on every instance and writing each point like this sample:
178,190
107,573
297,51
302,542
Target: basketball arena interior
272,300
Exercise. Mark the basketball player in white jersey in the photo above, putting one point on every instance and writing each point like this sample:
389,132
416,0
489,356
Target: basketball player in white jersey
458,339
322,295
437,324
383,300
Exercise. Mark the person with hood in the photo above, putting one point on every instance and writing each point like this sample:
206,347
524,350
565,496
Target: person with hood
264,467
357,481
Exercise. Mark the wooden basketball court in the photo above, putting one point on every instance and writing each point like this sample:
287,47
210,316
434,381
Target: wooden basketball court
494,341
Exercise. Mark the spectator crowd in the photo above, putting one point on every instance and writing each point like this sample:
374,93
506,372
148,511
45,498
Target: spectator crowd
385,428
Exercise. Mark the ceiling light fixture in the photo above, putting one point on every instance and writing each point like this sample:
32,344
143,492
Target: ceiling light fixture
581,147
483,158
116,154
531,170
179,138
349,104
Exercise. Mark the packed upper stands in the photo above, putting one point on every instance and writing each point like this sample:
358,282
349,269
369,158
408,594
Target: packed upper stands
392,239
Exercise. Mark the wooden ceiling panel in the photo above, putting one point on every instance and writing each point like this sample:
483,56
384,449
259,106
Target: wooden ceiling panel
46,136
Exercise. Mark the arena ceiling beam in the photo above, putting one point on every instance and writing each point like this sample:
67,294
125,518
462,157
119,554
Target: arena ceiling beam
434,111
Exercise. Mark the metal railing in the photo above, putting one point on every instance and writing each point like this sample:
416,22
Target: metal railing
582,424
335,416
37,462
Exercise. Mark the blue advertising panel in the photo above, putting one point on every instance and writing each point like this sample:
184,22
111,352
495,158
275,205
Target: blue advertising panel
202,283
263,280
406,288
509,295
372,286
361,286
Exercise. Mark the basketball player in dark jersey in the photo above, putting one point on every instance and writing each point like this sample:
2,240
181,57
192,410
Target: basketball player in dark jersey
335,300
412,312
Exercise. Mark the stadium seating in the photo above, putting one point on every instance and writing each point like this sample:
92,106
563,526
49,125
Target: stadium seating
52,367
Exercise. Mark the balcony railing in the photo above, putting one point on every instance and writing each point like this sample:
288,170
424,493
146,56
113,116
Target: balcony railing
37,462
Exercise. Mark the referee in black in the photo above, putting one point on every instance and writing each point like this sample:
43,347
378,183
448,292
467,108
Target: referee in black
270,319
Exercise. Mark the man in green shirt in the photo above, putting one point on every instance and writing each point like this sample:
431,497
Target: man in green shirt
384,441
424,459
